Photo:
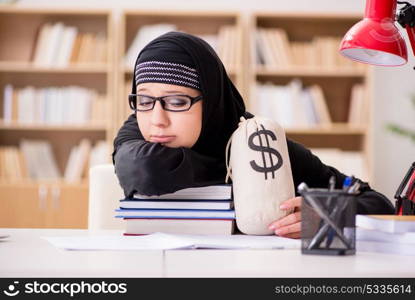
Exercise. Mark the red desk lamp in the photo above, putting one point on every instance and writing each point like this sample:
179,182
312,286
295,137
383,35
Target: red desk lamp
376,40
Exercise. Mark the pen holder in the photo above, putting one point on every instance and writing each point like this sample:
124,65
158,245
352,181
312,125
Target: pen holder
328,222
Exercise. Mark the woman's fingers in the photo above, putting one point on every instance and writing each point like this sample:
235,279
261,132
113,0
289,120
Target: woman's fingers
295,235
292,228
291,203
289,226
287,220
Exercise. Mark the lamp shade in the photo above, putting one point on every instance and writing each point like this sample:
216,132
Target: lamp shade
375,39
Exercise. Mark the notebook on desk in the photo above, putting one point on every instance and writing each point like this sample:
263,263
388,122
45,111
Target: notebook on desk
163,241
386,234
387,223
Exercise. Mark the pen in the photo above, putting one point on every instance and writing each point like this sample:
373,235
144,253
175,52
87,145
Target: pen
336,213
332,183
346,186
403,187
347,183
325,229
398,207
410,193
354,188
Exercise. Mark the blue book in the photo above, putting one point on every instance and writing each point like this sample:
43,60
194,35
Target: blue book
175,213
176,204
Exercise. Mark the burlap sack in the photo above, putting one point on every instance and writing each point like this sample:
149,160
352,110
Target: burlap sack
260,169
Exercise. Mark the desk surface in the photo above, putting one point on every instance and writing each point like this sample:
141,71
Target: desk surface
25,254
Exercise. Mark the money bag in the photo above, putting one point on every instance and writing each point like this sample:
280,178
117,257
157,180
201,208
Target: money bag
260,169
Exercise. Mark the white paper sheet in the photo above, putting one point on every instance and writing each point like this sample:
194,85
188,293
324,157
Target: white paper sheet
241,241
163,241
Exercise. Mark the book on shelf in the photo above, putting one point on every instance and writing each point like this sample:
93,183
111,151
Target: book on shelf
35,159
283,45
77,161
386,234
7,104
303,55
275,51
70,105
58,45
358,109
225,42
349,162
12,164
183,226
264,49
228,43
83,156
100,154
292,105
272,48
39,158
143,36
320,105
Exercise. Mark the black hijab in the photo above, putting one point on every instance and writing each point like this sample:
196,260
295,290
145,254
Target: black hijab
222,103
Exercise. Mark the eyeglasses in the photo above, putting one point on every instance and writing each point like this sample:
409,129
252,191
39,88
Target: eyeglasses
170,103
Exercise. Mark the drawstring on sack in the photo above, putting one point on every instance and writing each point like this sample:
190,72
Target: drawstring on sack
228,167
227,156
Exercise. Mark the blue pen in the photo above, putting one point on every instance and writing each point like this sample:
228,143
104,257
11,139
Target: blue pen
347,183
331,233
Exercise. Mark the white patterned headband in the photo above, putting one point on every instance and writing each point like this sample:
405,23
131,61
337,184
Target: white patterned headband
166,72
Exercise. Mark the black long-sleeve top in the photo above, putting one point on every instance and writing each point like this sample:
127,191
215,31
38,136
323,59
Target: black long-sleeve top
152,169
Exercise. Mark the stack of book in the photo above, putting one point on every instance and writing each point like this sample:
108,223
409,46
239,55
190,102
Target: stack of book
200,210
386,234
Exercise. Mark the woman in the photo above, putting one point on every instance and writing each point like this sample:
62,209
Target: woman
186,110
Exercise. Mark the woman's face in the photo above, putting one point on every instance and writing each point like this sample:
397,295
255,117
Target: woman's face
171,129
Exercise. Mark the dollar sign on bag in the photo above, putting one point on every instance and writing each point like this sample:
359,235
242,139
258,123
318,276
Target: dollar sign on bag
265,149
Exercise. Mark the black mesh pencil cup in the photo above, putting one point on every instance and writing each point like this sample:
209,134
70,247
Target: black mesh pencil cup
327,221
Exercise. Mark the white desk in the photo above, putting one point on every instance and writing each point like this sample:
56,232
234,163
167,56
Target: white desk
25,254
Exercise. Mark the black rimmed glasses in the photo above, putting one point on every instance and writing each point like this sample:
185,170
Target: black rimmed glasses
170,102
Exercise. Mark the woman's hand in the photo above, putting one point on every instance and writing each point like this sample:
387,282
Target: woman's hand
290,225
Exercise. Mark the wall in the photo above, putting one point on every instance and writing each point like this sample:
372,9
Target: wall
393,154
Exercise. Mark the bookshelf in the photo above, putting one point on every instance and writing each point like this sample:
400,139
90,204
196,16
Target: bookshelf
53,203
34,204
204,24
48,202
322,65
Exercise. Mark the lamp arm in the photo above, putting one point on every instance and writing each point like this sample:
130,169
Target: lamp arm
406,18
